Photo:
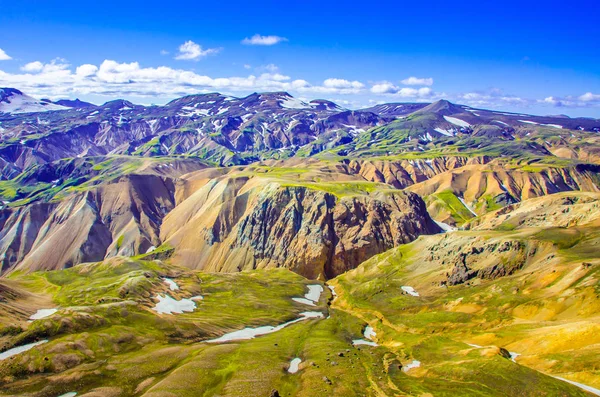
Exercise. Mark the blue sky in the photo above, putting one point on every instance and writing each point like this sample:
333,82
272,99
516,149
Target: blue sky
525,56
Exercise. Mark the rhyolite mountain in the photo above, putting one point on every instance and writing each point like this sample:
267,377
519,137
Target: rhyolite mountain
233,131
270,246
267,180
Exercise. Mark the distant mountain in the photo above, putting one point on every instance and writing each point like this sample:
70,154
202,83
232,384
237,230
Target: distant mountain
226,130
14,101
77,104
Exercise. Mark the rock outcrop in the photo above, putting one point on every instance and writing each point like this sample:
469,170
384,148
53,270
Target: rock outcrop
232,224
118,218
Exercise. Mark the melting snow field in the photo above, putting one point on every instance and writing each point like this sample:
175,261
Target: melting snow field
172,284
304,301
580,385
314,292
411,365
409,290
358,342
455,121
513,357
312,296
251,333
445,227
462,200
42,313
20,349
444,132
168,305
294,365
293,103
368,333
332,289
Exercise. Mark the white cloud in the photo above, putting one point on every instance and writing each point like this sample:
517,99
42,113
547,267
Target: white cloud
582,101
190,51
36,66
4,56
589,97
164,52
417,81
86,70
388,88
114,79
263,40
56,66
384,88
342,84
246,66
493,98
551,100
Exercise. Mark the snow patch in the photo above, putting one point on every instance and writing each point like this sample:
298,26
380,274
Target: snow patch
358,342
332,289
409,290
369,332
465,204
294,365
444,226
444,132
293,103
312,296
251,333
168,305
20,349
455,121
172,284
42,313
411,365
590,389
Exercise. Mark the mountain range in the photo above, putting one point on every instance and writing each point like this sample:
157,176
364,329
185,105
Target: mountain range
268,245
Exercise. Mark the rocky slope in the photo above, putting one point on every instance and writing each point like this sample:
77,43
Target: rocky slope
218,220
564,210
460,194
118,218
392,326
234,222
318,218
529,295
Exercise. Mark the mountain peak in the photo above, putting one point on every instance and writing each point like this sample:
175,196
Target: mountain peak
277,94
15,101
118,104
442,107
6,92
76,104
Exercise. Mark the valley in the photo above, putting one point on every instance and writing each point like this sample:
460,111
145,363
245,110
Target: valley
272,246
